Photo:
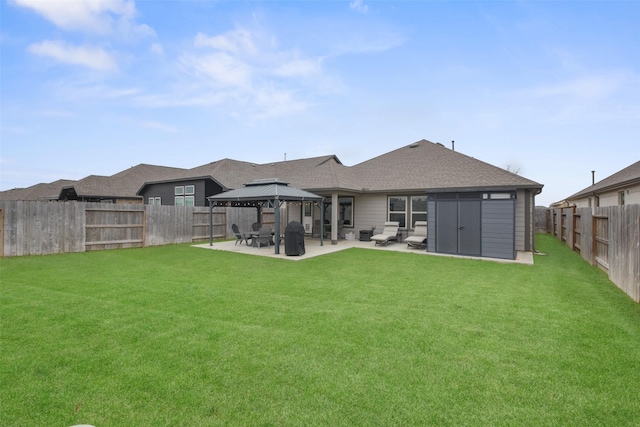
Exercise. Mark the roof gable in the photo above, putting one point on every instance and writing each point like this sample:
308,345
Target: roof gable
425,165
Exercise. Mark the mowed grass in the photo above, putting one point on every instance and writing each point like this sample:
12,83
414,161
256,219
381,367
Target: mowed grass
181,336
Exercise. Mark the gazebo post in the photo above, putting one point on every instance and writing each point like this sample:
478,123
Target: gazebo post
276,212
322,222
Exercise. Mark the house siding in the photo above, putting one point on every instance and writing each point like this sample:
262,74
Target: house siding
166,191
369,210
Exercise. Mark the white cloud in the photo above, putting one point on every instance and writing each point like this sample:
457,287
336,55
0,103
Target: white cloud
298,67
586,87
157,49
238,42
359,6
247,72
159,126
91,57
94,16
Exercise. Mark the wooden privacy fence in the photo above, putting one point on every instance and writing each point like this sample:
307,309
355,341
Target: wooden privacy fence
607,237
41,228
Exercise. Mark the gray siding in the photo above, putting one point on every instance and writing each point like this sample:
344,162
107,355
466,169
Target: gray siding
369,210
431,226
498,226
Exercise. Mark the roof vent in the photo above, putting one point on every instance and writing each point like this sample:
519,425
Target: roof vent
440,144
416,145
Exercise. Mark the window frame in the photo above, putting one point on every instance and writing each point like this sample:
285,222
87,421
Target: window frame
392,214
413,212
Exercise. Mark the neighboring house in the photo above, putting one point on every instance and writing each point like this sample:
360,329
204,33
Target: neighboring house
621,188
43,191
118,188
472,207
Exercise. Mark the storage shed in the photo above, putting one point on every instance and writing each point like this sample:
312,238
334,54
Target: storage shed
475,223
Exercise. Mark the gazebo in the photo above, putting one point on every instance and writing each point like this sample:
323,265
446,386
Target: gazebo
260,193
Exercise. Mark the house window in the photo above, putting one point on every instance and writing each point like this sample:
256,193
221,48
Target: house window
178,201
418,209
189,200
179,190
621,198
189,189
157,201
398,210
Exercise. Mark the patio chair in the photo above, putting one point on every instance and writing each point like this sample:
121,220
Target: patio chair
264,237
239,236
256,226
389,233
419,236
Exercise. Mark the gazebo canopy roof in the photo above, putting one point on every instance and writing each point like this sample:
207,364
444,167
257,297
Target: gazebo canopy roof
262,190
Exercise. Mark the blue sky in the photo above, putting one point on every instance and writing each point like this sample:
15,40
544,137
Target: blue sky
547,88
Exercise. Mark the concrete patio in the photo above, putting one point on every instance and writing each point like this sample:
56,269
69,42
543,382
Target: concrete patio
313,249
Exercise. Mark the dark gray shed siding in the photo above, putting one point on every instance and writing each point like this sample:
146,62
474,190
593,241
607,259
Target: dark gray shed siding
498,229
431,225
497,224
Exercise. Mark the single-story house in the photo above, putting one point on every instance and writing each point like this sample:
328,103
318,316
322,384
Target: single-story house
621,188
472,207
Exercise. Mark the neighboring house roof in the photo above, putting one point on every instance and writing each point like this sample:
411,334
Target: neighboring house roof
42,191
425,165
121,185
624,178
314,172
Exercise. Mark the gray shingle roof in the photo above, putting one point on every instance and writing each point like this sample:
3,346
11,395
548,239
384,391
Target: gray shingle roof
425,165
42,191
627,176
122,184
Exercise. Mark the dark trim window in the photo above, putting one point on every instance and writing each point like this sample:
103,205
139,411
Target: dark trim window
397,210
621,198
418,209
184,195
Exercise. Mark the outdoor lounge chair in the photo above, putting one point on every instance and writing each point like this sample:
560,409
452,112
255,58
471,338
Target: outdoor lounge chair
240,237
264,237
419,236
389,233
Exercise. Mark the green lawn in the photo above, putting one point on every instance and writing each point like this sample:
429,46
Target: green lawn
180,336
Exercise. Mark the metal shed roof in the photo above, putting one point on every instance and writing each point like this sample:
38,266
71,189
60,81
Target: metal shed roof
263,190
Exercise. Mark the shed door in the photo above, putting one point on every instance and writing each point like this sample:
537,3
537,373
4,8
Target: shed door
469,227
458,227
